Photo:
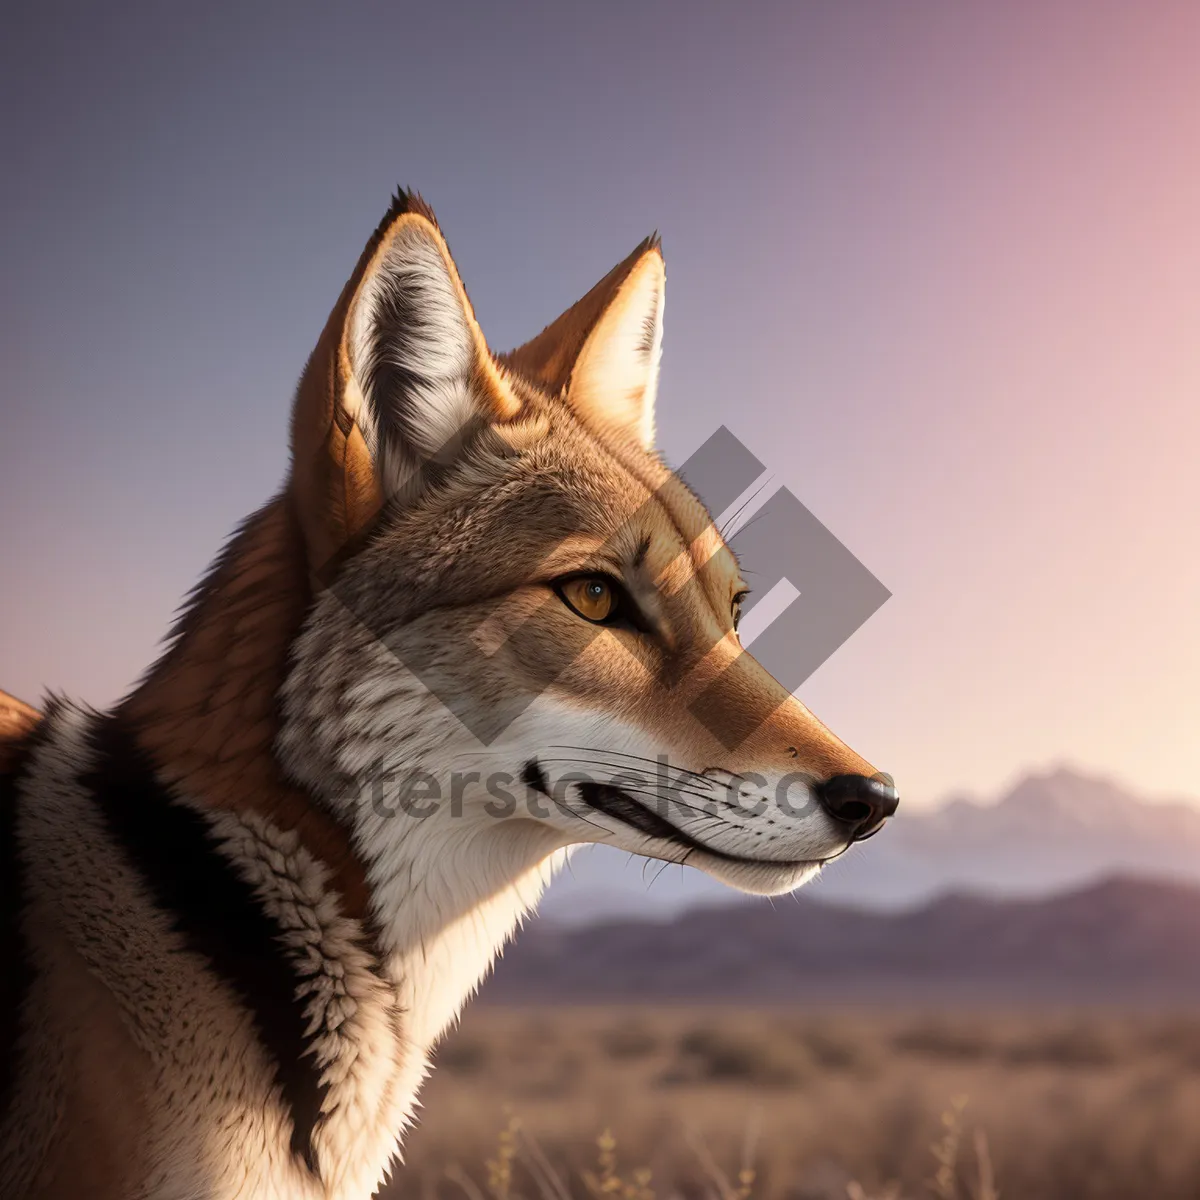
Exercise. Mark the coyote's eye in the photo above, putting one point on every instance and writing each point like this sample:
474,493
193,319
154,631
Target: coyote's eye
593,597
737,607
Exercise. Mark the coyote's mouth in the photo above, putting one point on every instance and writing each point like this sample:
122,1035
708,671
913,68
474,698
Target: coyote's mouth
619,804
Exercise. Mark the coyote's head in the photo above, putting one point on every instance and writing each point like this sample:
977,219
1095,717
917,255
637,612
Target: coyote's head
526,633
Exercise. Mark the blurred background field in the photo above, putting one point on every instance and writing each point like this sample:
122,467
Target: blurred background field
786,1103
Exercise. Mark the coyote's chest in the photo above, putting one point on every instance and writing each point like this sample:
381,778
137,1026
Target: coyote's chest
256,1005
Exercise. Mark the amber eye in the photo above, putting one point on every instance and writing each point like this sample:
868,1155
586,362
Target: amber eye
737,608
592,596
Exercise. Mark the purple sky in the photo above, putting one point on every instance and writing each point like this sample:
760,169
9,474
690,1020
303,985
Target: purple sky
937,264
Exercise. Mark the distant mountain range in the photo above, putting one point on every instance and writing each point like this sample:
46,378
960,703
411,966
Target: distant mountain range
1123,939
1051,832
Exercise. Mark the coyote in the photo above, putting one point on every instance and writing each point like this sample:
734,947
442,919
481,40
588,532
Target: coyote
233,929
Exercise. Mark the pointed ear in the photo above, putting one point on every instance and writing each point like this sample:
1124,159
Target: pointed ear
604,351
400,379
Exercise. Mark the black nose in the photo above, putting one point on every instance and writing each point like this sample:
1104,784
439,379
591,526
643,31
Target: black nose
860,803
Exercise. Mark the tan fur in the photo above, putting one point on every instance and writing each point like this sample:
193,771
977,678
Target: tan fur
102,1107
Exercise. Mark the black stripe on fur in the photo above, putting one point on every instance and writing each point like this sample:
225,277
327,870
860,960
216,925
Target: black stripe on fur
218,913
16,974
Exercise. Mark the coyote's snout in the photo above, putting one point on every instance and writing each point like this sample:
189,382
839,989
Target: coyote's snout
481,623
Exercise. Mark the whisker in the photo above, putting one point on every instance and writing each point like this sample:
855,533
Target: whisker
732,519
626,754
689,807
579,816
627,785
757,517
662,868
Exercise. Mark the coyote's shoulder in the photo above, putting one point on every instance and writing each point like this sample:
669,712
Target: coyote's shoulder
233,928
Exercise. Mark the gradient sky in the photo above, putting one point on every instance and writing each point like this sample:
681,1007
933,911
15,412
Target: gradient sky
938,264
